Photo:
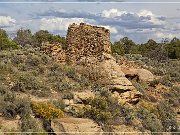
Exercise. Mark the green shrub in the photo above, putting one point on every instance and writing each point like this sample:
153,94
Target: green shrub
72,73
59,104
176,91
22,67
173,94
11,106
107,109
84,82
97,110
23,37
29,124
68,95
46,59
3,89
41,69
104,92
16,59
25,82
33,60
139,87
64,86
167,117
150,120
166,80
153,83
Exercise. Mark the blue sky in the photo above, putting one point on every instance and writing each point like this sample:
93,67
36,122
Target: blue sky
138,21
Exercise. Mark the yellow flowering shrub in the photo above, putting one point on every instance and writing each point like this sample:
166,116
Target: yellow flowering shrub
97,109
150,107
46,111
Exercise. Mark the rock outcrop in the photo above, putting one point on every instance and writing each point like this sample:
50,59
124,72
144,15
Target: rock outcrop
118,81
138,73
81,126
81,97
76,126
86,40
9,125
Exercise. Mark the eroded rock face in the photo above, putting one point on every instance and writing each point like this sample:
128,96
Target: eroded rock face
118,81
132,97
86,40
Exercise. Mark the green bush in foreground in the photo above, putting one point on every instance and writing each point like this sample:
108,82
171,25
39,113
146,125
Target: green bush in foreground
11,106
106,110
167,117
150,121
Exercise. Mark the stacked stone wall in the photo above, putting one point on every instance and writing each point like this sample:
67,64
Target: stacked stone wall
86,41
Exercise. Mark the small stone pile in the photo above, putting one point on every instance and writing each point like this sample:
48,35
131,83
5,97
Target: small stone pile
54,50
86,40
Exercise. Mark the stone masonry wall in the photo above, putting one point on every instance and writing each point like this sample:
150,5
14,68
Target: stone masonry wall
86,41
54,50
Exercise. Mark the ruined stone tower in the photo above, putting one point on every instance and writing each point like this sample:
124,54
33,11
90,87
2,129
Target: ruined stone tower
87,41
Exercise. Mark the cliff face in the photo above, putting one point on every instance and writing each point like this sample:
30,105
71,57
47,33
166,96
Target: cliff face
86,40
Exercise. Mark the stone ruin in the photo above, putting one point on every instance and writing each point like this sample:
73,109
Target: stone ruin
83,41
90,46
87,41
55,51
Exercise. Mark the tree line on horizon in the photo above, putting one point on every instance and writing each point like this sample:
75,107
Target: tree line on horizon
160,51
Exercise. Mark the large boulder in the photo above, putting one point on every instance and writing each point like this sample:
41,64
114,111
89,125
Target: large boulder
138,73
80,97
128,130
76,126
81,126
145,75
9,125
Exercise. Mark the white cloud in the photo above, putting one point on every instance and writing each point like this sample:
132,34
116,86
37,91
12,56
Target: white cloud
143,15
112,29
6,21
61,24
164,34
112,13
118,37
58,24
145,12
153,18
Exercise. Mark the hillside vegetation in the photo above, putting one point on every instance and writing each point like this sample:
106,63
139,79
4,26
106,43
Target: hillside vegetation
34,87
